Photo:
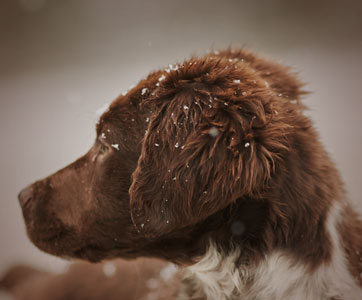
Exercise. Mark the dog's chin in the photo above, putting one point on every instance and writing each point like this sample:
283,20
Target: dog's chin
66,249
88,253
51,245
67,245
54,240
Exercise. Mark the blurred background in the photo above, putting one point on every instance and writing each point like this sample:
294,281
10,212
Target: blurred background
60,60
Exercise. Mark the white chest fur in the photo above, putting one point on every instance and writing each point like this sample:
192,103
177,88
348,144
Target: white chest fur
277,277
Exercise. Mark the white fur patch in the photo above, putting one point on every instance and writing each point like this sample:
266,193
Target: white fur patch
215,275
277,277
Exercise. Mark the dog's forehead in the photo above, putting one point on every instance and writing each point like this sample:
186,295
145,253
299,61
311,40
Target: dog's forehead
120,113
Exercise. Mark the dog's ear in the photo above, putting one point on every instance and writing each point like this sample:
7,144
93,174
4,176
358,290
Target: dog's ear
215,135
277,77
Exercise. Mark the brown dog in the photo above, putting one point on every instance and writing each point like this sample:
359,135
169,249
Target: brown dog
211,164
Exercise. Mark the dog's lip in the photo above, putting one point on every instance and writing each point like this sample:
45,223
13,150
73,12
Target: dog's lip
44,233
49,241
54,246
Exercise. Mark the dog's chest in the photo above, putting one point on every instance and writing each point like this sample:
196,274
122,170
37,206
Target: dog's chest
277,277
271,279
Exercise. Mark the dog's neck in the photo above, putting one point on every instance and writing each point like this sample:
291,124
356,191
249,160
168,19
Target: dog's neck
280,274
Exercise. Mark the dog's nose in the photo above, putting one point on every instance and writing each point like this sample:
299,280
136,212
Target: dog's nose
26,195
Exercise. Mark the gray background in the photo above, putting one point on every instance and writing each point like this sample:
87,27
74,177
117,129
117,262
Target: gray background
62,60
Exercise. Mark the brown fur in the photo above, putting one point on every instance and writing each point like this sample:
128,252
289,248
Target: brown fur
130,281
173,184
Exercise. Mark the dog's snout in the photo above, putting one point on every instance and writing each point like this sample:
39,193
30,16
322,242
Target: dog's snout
26,195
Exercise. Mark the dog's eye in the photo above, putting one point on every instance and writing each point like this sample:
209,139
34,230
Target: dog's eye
103,149
100,150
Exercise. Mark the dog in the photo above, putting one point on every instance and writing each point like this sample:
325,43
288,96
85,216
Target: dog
212,165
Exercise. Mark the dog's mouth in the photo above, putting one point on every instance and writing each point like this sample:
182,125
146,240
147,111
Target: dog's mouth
54,240
63,244
63,241
48,233
45,230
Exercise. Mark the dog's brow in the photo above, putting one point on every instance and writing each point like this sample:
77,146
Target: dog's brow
98,129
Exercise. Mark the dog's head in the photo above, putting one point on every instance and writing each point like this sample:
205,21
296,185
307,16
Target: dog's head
179,149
